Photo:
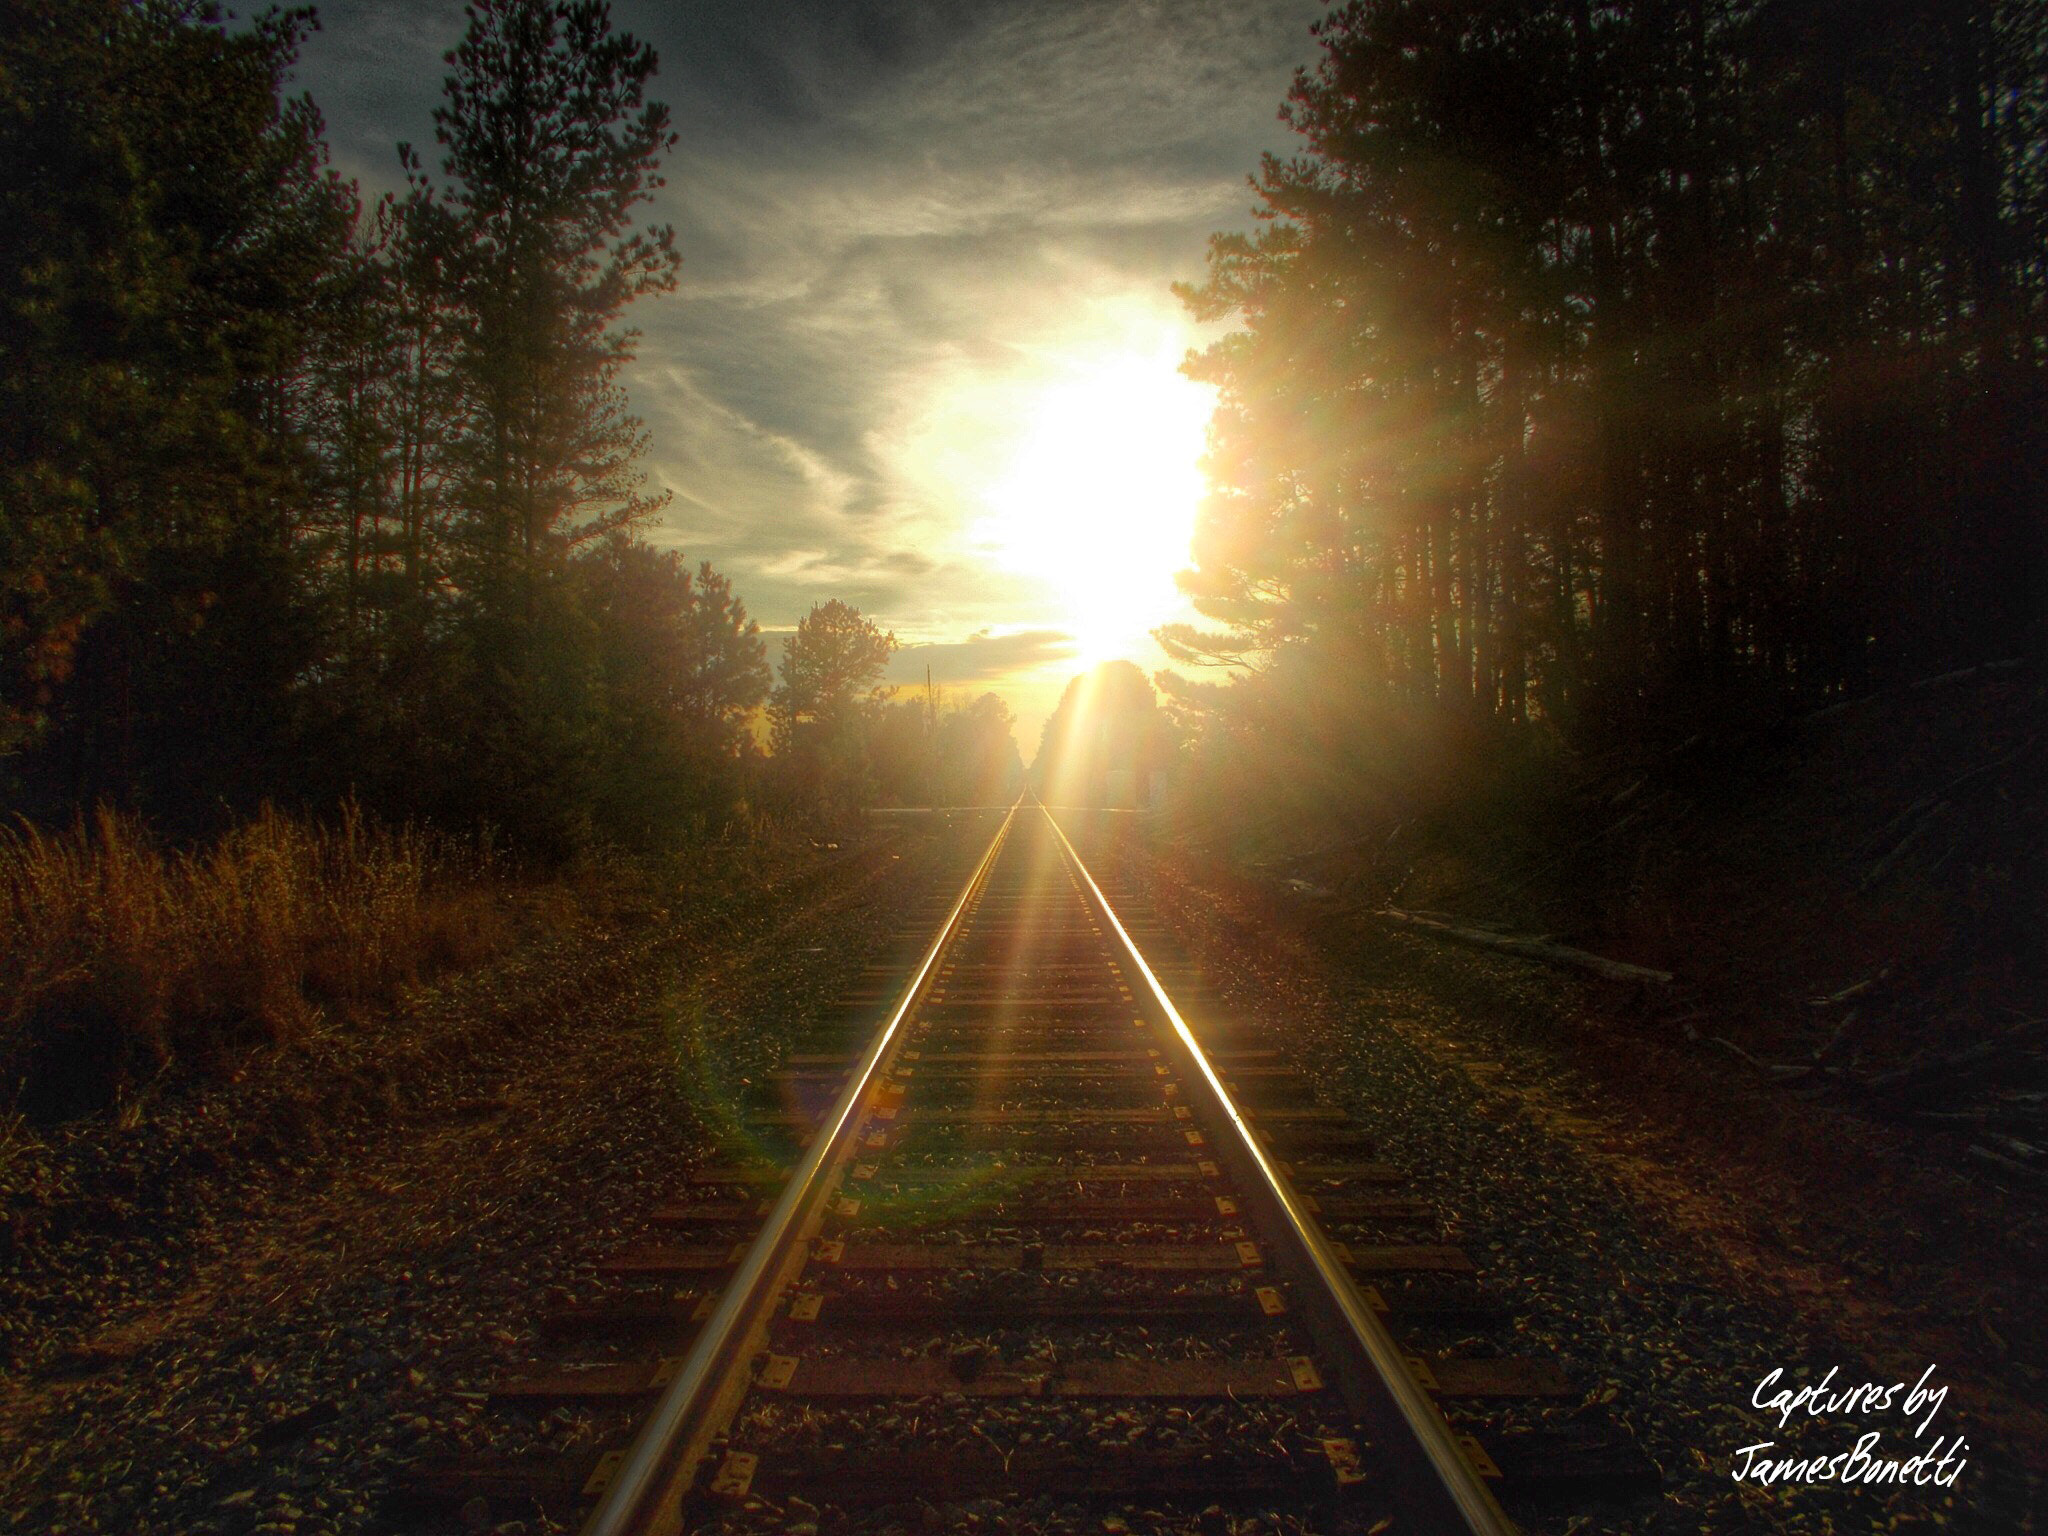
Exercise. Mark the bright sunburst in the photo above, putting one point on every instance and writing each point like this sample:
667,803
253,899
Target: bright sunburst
1094,496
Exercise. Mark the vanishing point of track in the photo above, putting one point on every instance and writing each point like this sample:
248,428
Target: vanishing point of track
1043,1240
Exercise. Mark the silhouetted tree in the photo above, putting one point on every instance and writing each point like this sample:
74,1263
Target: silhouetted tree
830,668
899,748
1105,742
1630,367
495,404
551,146
168,231
299,499
684,668
977,762
821,709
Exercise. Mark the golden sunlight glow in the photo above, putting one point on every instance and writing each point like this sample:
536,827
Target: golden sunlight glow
1094,497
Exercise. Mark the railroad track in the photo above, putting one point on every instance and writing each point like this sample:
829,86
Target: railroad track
1042,1250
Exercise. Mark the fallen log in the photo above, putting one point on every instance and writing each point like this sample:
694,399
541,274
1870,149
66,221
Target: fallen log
1905,845
1834,1041
2012,1167
1974,1057
1857,989
1964,674
1925,814
1923,685
1527,946
1907,1086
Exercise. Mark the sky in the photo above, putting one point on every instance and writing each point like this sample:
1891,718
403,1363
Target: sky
924,356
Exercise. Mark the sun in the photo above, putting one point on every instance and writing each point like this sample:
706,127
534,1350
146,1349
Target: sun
1093,495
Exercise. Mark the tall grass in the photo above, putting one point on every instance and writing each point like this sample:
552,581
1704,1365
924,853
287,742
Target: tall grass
118,957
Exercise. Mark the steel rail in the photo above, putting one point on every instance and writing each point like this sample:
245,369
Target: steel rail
1452,1478
647,1486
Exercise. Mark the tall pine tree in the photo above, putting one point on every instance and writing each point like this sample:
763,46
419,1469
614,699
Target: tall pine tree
551,147
167,226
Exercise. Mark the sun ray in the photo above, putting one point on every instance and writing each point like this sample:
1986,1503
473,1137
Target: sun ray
1096,499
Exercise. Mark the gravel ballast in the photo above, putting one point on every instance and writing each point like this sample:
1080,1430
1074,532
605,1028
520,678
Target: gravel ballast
314,1273
1649,1292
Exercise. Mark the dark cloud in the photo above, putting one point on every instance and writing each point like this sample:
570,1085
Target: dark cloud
982,658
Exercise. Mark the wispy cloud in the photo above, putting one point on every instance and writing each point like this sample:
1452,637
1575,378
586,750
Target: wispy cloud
893,213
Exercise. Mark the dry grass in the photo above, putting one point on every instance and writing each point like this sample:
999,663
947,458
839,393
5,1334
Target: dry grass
122,958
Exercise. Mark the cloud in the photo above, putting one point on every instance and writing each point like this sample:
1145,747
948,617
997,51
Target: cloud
982,658
893,214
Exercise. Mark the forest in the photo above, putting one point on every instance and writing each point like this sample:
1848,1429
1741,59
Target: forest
504,1018
1626,545
1599,385
1615,375
333,621
308,500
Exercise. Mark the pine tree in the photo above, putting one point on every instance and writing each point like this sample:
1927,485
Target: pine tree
551,147
684,670
167,222
821,711
527,258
